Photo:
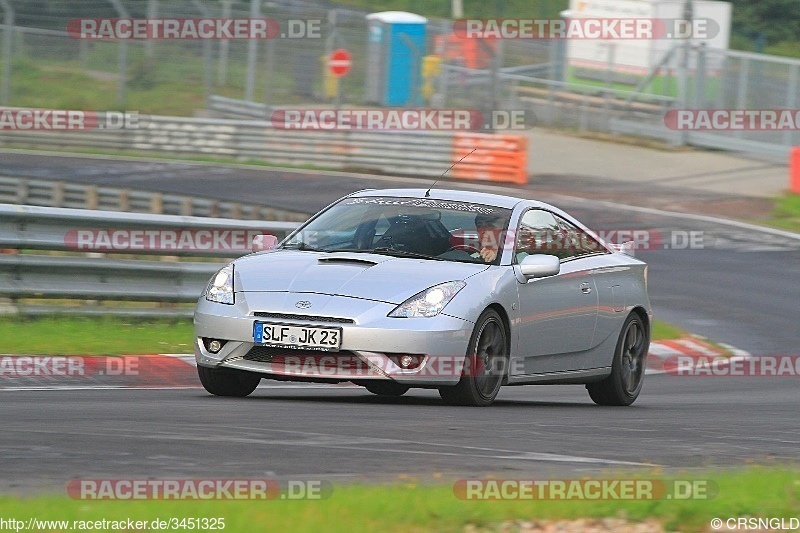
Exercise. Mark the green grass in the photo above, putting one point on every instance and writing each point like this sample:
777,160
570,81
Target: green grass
786,214
64,86
661,331
407,505
66,335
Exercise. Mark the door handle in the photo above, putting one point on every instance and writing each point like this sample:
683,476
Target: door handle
585,288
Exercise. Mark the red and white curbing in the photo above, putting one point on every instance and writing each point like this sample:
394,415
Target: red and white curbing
21,372
694,347
63,372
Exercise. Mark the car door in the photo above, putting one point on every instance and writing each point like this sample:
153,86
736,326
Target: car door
557,314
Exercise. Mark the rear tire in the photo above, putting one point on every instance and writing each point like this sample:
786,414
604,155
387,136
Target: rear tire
387,388
624,384
485,364
226,382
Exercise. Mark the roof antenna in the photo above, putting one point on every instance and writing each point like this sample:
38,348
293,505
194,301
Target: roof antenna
428,192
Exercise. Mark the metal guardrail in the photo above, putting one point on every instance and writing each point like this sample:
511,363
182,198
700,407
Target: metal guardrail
81,196
422,153
155,276
236,108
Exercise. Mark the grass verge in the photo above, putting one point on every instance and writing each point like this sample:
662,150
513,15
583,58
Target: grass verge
409,506
661,331
786,214
106,335
110,335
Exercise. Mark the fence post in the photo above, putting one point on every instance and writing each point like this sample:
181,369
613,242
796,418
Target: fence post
149,44
222,67
741,90
252,52
204,11
700,77
269,75
123,54
791,103
8,39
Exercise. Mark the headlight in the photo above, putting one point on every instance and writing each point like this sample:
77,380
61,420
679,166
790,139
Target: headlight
429,302
220,288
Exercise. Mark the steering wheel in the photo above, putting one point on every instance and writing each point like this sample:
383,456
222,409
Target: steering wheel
465,248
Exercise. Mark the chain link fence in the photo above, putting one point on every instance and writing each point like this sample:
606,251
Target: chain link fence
42,66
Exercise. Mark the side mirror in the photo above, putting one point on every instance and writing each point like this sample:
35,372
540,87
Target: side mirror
262,243
540,266
627,248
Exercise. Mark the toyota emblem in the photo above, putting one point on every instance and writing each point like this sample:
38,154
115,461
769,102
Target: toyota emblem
303,304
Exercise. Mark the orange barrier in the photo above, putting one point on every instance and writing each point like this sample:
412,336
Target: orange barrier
502,158
470,53
794,170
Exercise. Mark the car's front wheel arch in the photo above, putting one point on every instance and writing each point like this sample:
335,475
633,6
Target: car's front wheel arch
623,385
500,310
485,365
639,310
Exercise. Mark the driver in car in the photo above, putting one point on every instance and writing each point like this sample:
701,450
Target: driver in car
490,230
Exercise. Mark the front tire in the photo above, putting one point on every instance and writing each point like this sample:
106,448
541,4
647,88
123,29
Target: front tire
485,364
624,384
225,382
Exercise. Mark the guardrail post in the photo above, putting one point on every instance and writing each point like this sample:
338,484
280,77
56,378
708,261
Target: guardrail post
157,203
23,191
92,197
124,200
58,194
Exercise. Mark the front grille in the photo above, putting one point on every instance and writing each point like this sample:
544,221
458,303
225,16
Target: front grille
260,354
310,359
306,318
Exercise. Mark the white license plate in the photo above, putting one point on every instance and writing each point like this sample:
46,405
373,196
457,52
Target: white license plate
288,336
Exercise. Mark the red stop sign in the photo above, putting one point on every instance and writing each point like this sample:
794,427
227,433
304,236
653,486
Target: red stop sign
339,62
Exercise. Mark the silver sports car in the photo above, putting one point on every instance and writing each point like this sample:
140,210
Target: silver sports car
459,291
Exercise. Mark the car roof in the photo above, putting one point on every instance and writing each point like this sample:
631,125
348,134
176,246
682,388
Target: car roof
496,200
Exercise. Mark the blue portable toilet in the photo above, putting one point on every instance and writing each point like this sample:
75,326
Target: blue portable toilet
396,45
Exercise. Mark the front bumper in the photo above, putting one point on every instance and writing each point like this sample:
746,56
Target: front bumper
371,344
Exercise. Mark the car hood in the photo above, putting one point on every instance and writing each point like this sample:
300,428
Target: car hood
359,275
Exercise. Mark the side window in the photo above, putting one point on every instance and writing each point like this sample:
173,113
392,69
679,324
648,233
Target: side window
541,232
536,233
577,241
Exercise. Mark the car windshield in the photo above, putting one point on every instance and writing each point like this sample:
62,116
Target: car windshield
408,227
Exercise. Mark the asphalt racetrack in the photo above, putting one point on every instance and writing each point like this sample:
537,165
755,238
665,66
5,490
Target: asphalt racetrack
741,286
